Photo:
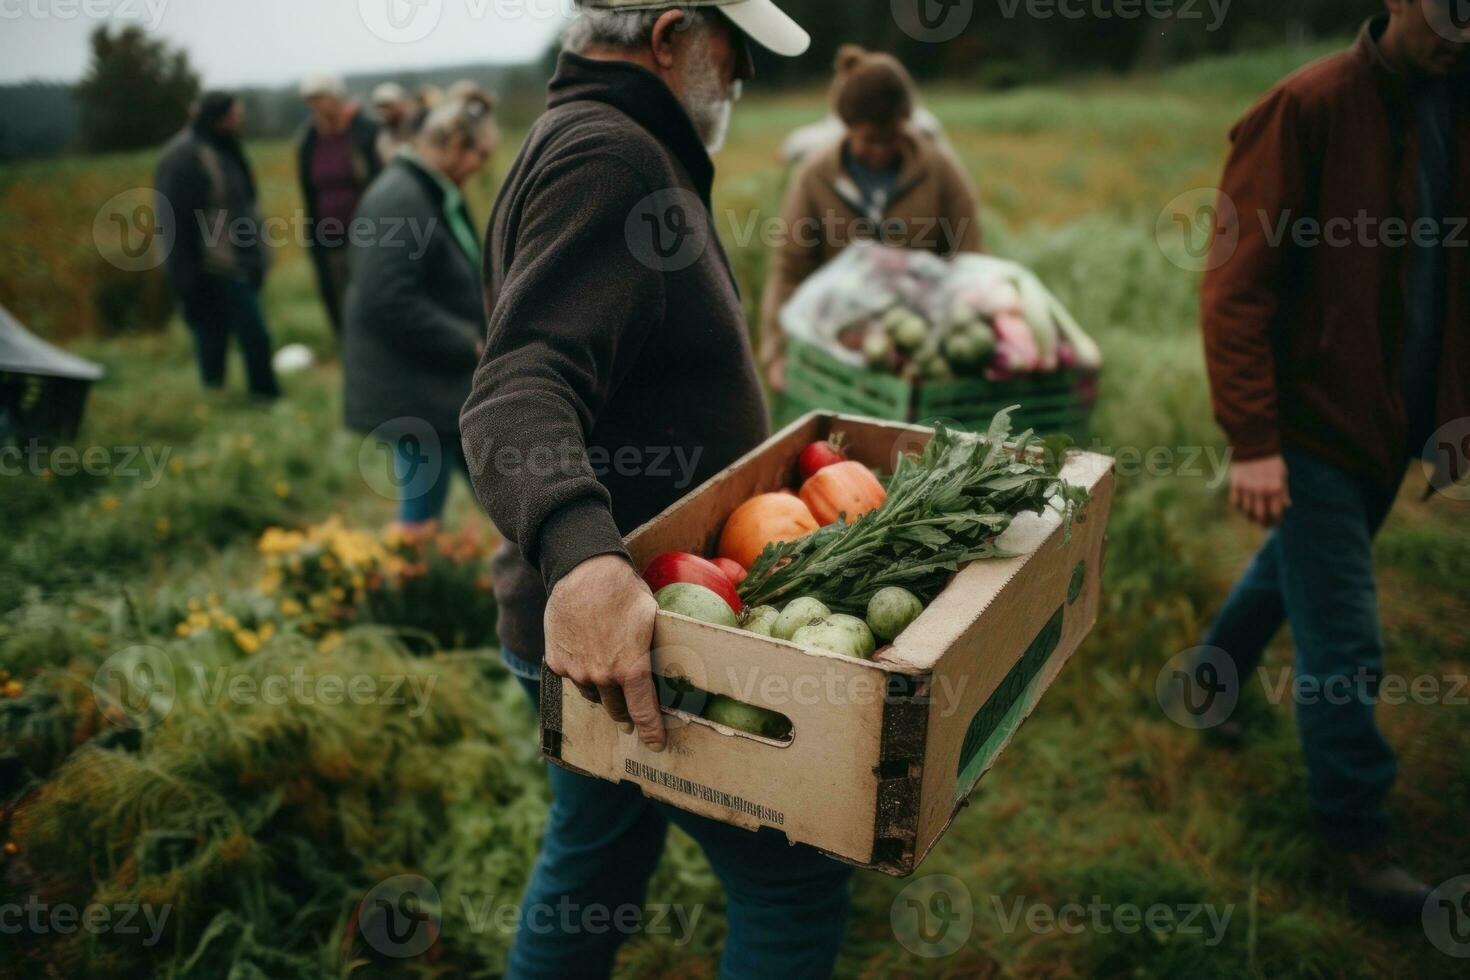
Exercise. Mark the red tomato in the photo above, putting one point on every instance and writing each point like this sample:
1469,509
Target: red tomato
817,456
679,566
732,569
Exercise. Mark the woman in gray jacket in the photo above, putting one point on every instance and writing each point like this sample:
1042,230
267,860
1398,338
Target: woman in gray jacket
415,317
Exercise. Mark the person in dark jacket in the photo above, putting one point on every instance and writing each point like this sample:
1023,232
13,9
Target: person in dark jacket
1337,344
617,332
415,311
216,261
336,160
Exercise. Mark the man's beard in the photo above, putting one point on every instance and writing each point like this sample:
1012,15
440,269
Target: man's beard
709,103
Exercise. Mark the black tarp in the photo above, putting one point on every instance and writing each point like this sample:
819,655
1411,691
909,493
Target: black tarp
43,389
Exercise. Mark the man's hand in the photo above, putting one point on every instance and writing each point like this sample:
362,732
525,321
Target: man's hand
599,628
776,375
1258,489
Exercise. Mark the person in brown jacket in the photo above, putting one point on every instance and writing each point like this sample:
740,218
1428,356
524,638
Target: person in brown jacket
1337,337
883,181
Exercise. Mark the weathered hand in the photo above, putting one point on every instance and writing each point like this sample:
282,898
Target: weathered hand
599,630
1258,489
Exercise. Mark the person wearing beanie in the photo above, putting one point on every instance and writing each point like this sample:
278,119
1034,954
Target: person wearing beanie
215,258
881,181
336,159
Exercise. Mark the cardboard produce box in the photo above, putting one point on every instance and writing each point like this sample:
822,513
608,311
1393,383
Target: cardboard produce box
882,754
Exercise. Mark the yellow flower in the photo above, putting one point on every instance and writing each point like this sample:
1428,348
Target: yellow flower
176,467
339,594
108,503
13,689
183,629
290,607
329,642
267,630
247,640
283,489
194,605
163,526
198,620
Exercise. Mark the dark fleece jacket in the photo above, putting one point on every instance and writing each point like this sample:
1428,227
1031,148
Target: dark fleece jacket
618,373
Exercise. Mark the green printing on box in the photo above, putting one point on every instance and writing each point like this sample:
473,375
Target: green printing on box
1004,710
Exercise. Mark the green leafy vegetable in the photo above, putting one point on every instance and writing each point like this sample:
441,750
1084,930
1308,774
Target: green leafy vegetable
945,508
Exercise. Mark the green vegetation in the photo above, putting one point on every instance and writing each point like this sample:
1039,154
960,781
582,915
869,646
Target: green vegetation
264,825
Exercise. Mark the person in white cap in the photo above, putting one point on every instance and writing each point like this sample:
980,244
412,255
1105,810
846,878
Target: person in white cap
394,111
336,159
615,323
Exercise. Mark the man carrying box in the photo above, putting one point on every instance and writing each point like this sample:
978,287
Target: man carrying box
617,342
1333,359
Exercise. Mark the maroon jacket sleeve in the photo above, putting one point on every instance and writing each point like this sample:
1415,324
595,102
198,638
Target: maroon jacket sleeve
1264,186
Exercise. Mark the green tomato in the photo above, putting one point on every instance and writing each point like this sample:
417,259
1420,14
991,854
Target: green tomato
746,717
760,620
835,635
798,613
696,602
891,611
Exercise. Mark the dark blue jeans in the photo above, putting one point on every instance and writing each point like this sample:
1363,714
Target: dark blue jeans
423,475
1316,572
219,308
785,907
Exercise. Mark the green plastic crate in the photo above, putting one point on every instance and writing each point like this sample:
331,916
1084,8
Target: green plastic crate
1059,403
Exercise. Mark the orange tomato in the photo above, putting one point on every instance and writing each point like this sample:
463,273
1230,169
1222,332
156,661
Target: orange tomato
763,520
843,488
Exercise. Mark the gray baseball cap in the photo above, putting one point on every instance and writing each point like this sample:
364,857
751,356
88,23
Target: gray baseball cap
762,21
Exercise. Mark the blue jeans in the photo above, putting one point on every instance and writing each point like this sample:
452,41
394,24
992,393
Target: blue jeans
423,475
1316,572
785,907
217,309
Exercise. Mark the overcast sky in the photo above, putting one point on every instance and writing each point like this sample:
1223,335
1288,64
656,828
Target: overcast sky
234,42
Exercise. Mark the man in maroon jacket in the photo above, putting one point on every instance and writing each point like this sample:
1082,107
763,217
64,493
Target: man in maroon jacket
1336,335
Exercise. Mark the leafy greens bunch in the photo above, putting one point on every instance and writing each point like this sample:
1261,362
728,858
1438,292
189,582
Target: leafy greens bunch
945,508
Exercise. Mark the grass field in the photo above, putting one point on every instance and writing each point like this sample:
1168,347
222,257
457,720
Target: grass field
261,826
